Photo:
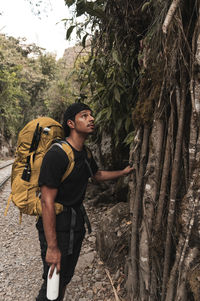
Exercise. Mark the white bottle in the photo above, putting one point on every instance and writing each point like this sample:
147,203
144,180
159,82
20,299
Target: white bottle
53,285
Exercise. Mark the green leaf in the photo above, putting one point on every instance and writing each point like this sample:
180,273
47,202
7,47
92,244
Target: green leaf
109,112
129,138
69,2
118,124
94,10
127,123
83,85
117,94
115,57
69,31
80,8
99,90
100,75
101,114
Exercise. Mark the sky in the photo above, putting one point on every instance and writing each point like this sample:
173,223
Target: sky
48,31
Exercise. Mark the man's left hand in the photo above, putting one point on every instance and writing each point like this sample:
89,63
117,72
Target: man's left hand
127,170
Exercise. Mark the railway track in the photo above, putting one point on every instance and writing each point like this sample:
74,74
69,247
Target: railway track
5,175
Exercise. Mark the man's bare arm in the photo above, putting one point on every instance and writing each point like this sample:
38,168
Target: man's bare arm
53,255
103,175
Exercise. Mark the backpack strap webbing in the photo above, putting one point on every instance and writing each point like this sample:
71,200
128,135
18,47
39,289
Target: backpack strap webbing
65,146
8,204
7,207
68,150
73,224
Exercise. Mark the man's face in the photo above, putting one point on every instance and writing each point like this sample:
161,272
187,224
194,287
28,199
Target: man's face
84,122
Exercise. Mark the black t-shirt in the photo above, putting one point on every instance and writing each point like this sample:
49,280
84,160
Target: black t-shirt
72,190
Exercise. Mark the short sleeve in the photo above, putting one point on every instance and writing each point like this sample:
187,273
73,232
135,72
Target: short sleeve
53,167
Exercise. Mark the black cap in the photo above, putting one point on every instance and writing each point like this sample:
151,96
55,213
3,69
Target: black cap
71,112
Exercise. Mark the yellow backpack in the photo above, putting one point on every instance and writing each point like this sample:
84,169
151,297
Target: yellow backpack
33,142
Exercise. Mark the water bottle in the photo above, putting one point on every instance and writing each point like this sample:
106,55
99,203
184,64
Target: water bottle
53,285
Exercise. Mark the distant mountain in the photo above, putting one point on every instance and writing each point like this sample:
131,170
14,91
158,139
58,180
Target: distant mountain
70,55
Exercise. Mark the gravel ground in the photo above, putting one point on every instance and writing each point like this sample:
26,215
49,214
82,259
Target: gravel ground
21,268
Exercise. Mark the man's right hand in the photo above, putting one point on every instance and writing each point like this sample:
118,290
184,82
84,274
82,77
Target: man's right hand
53,258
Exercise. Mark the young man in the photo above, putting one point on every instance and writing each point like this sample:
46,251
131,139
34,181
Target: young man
61,235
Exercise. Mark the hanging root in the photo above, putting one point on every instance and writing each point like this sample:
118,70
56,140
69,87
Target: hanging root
170,15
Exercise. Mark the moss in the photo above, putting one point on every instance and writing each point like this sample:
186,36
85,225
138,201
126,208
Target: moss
149,94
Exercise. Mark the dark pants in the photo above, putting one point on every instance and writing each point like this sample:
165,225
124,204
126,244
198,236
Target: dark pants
68,262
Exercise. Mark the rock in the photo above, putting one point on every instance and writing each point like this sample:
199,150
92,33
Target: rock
76,278
90,294
92,239
109,236
85,260
98,285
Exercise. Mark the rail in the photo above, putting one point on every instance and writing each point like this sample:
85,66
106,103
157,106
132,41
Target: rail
5,165
4,181
7,177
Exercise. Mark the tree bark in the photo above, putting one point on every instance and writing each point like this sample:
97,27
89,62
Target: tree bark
170,15
173,190
137,213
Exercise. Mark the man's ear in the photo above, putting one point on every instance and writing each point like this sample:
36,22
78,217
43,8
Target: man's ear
70,123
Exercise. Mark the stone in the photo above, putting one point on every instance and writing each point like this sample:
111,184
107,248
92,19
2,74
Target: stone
98,285
85,260
76,278
90,294
110,233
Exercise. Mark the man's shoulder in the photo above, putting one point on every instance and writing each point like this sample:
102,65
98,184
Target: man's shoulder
56,151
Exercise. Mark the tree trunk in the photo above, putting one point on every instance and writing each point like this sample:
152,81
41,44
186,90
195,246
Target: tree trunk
165,192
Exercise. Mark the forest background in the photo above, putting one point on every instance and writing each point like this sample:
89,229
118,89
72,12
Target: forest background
141,76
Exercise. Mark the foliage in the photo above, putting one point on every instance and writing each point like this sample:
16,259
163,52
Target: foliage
32,84
12,99
112,70
25,74
62,91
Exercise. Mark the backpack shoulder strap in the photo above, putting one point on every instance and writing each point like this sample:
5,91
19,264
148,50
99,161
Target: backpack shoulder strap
68,150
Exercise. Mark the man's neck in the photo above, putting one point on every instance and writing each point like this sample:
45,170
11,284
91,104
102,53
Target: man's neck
76,141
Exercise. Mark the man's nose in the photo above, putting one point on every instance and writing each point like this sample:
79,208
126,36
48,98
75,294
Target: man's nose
91,118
